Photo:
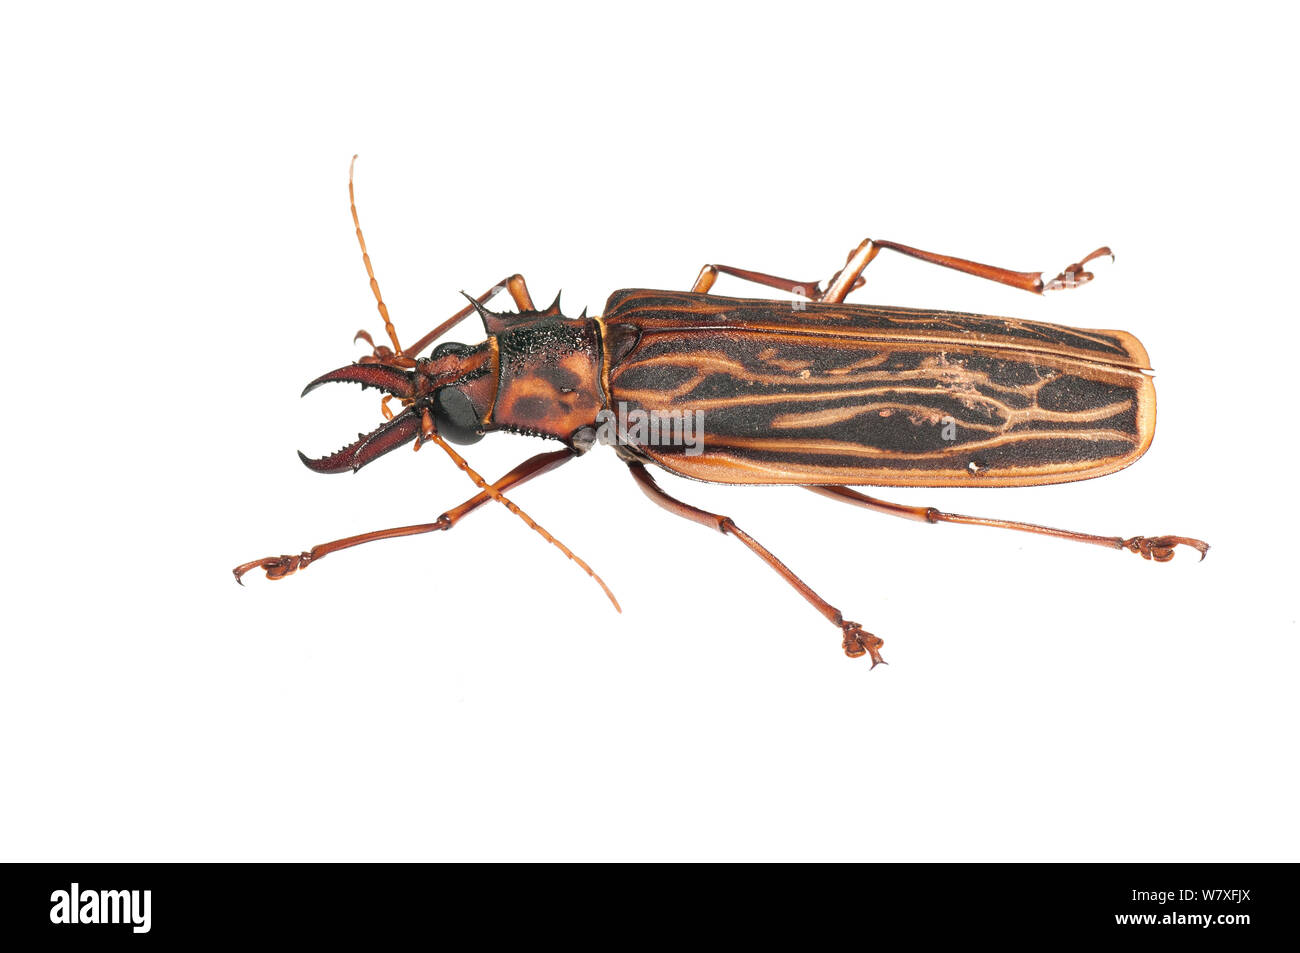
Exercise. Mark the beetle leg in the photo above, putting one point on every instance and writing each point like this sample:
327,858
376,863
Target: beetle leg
849,277
1159,548
856,642
806,289
518,292
277,567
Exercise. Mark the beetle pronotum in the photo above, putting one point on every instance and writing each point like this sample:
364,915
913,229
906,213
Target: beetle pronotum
825,395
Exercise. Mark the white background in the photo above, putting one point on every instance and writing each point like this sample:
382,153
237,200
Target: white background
179,261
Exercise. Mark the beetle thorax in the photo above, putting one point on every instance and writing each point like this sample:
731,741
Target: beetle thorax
548,380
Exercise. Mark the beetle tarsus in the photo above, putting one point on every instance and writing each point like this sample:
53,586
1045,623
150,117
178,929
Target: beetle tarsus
1161,548
1073,276
275,567
858,643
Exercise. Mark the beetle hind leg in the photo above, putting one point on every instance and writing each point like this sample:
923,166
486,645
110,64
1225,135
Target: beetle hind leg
1161,549
855,640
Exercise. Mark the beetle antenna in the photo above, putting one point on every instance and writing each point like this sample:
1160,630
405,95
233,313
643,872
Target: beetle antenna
365,256
430,433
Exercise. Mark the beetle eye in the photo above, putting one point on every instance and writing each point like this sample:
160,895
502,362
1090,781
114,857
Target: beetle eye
454,416
448,347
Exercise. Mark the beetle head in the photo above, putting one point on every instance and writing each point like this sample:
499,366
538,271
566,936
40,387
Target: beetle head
435,384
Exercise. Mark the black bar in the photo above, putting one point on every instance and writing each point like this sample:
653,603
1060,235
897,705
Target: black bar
1223,903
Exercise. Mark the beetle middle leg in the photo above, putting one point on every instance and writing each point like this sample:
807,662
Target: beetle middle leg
806,289
856,641
1159,548
277,567
850,276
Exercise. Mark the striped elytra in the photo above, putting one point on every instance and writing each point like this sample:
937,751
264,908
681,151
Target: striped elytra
848,394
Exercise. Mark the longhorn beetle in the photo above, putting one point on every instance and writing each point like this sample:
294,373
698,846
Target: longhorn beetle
820,394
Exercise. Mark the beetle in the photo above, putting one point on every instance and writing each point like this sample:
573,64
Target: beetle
816,392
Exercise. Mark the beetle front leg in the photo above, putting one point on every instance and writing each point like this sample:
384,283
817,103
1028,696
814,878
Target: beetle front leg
515,284
277,567
856,641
